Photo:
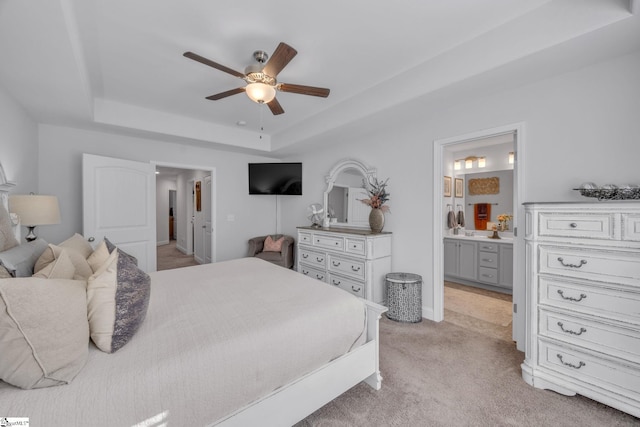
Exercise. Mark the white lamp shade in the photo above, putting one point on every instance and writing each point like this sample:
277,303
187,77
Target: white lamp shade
260,92
35,209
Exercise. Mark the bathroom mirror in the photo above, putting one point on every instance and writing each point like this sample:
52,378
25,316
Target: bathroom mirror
342,207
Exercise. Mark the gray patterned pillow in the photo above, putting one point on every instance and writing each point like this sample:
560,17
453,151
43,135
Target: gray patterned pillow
111,247
118,297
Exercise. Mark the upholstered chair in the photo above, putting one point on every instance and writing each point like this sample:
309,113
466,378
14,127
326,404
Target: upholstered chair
283,258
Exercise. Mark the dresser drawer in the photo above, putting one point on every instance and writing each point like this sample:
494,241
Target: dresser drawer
488,275
313,258
590,226
305,238
587,367
488,259
594,264
351,286
348,266
355,246
605,338
631,227
314,273
589,298
329,242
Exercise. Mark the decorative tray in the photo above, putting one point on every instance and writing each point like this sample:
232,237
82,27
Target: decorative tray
619,193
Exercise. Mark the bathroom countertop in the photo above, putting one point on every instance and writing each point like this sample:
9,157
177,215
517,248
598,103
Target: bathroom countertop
481,236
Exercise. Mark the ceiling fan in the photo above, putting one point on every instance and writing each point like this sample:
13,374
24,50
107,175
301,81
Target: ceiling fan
261,78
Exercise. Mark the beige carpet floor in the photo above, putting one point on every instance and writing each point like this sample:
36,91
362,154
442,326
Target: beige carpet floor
169,257
444,374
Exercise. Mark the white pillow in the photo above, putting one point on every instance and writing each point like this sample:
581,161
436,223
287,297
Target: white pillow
44,333
20,260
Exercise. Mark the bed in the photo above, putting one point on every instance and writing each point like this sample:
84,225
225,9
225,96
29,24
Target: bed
241,342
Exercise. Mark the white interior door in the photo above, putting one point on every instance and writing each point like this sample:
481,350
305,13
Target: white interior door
206,207
198,225
119,202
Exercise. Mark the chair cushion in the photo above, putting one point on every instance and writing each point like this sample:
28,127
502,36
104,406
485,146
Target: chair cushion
271,245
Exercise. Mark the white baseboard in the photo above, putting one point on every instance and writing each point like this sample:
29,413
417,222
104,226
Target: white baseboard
164,242
181,249
427,313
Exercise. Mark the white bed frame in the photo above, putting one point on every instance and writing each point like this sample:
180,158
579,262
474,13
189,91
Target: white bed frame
300,398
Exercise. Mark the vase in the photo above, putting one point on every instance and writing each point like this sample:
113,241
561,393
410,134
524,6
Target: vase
376,220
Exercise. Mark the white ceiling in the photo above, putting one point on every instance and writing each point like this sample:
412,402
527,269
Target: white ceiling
118,64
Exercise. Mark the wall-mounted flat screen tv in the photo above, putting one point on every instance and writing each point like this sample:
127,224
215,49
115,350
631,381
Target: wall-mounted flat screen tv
275,178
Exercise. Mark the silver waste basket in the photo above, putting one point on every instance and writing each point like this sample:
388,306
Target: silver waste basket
404,297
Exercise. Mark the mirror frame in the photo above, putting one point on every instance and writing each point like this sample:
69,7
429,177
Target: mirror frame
367,173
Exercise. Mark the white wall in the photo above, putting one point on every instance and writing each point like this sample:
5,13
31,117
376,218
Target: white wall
163,185
580,126
18,145
61,151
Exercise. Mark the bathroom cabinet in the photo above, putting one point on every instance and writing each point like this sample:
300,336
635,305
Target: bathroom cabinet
479,262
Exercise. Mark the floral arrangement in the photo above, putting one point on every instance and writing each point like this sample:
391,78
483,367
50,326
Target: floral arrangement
505,217
378,194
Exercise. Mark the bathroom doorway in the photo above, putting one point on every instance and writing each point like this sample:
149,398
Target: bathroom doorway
466,261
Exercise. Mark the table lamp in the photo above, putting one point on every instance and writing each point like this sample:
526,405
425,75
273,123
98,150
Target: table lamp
34,210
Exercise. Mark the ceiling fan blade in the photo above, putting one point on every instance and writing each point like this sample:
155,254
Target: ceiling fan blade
304,90
280,58
275,107
225,94
215,65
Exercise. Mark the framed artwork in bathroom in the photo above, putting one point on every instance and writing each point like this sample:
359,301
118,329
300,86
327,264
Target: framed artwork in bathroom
447,186
459,187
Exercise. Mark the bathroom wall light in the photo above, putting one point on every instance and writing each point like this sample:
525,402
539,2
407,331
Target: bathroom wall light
511,157
457,165
482,162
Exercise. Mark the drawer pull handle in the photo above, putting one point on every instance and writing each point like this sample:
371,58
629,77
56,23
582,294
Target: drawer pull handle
353,288
336,282
305,272
578,366
337,243
487,259
305,256
582,296
487,275
582,262
569,331
354,268
335,264
319,277
573,225
319,259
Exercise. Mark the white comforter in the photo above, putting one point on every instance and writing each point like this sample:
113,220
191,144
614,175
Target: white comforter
216,337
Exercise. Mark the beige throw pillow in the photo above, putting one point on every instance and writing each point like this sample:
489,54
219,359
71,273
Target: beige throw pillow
98,257
79,250
54,263
44,333
101,302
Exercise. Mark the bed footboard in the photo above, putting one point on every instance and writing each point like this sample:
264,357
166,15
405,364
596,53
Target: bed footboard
294,401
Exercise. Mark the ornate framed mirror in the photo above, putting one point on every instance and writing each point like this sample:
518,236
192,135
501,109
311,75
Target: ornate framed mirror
344,190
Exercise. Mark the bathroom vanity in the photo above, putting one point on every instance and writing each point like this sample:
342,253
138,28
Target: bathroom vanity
479,261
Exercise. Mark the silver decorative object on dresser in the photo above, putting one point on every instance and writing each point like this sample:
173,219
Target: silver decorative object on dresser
583,292
355,260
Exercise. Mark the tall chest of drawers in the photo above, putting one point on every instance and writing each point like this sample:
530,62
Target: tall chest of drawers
583,300
354,260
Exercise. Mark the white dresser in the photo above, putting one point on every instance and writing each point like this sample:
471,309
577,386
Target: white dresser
583,293
354,260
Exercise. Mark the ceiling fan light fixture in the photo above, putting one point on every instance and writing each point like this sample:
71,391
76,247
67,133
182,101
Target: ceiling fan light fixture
260,92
